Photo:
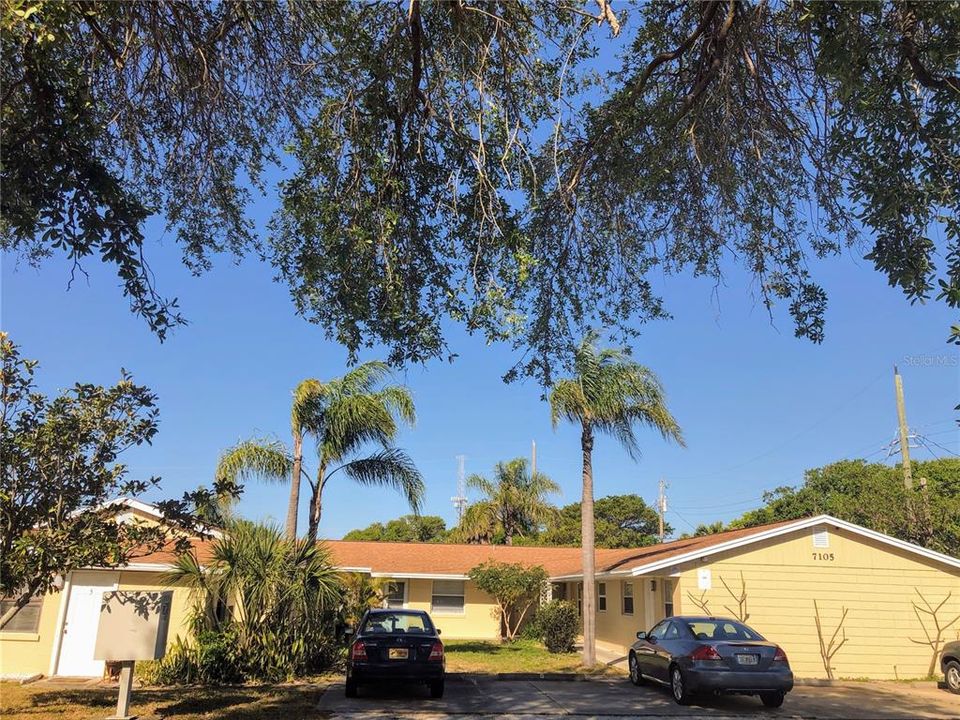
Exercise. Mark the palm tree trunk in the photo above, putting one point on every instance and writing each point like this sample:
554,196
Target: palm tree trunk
293,507
586,543
316,502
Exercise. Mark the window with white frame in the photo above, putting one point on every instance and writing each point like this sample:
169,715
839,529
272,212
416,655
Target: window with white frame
395,596
668,598
627,608
447,597
601,597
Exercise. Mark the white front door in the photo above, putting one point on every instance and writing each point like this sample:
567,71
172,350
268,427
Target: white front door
649,602
81,621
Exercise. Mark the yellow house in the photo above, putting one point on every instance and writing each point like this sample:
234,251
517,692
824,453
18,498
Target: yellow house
842,600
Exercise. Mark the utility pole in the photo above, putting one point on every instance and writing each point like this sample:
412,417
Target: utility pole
904,433
661,506
460,499
533,457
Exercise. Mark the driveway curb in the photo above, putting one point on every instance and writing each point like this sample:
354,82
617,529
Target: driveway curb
527,676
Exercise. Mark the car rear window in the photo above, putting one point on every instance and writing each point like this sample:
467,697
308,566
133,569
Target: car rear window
401,622
721,630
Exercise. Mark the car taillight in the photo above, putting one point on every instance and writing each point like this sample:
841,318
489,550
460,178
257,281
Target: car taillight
705,652
436,652
359,651
780,655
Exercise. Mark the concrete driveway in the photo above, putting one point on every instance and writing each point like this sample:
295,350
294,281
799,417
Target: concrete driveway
479,697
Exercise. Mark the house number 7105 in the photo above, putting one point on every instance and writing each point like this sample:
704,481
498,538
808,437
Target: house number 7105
823,556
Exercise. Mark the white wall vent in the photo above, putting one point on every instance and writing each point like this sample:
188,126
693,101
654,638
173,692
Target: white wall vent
821,538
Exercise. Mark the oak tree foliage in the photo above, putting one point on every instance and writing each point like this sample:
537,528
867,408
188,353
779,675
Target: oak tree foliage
523,170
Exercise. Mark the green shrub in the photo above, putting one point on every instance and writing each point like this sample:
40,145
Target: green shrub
558,625
210,659
531,629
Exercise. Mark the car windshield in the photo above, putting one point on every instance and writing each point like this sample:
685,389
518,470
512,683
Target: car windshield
399,622
721,630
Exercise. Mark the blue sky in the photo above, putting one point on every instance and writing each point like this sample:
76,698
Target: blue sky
757,405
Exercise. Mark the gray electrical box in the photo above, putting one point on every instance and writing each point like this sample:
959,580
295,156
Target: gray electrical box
133,625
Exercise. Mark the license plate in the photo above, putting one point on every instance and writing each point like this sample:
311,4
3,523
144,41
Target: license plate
398,653
747,659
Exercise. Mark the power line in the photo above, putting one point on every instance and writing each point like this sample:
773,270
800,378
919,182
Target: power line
687,522
789,440
942,447
751,501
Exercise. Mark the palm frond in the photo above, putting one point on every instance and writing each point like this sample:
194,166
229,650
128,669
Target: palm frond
363,378
353,421
308,401
262,459
613,394
479,482
567,402
389,468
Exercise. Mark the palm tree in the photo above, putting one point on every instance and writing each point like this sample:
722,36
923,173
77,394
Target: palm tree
282,594
610,394
343,416
515,501
304,399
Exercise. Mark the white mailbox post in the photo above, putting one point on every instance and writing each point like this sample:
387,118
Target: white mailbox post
133,626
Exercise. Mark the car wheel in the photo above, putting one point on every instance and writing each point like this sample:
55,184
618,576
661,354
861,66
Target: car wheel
952,676
436,689
636,677
772,699
678,686
350,689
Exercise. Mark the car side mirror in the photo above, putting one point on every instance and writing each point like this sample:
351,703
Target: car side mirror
641,635
438,631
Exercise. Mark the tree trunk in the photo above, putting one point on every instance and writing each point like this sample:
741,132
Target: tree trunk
586,543
293,507
316,503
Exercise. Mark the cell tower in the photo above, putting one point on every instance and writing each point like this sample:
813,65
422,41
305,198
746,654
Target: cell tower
460,499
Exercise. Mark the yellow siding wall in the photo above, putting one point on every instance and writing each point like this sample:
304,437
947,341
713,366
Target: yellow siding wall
617,630
478,621
26,654
876,583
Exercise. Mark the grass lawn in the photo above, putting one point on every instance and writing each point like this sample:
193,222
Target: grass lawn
265,702
519,656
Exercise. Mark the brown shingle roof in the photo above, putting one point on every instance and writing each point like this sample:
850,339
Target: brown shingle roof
445,559
448,559
202,548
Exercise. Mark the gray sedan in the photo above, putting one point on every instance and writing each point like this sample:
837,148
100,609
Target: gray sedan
694,655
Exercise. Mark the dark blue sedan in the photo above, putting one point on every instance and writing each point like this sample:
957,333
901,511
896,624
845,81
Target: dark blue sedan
693,655
396,646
